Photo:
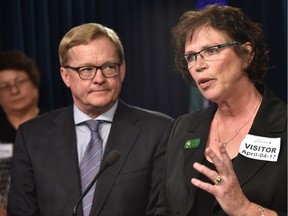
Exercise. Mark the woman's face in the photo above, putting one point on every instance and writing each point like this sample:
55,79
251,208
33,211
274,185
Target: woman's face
17,92
218,78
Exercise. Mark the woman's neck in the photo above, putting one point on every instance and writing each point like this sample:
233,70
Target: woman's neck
240,105
17,118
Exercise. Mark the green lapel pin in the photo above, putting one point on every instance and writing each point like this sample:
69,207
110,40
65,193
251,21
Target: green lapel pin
193,143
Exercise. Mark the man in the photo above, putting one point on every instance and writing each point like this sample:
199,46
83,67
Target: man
46,178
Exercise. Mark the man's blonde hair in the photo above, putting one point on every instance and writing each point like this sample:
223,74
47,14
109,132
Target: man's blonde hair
85,33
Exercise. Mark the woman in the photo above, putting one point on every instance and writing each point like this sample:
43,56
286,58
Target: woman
19,85
229,158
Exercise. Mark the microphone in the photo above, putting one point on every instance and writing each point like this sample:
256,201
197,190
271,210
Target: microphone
111,159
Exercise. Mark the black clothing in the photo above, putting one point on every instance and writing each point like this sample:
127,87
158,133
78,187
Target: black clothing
7,131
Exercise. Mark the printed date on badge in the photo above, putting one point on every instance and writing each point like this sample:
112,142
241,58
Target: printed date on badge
260,148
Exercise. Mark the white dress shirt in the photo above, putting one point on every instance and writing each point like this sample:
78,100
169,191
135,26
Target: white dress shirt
83,132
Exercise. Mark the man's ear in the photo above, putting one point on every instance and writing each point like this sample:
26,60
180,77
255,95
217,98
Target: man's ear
65,76
122,71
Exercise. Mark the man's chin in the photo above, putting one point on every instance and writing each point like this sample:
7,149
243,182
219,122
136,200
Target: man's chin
102,104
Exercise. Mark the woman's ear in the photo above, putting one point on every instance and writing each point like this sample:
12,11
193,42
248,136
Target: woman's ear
249,54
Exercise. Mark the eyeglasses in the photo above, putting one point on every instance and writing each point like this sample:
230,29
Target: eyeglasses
18,83
89,72
207,54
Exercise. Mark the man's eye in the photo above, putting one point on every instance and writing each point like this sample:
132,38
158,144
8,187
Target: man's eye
86,69
108,67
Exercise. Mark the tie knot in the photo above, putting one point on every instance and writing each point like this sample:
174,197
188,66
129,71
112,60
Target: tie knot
93,124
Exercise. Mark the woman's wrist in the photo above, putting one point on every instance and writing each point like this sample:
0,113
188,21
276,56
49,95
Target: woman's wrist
262,211
252,209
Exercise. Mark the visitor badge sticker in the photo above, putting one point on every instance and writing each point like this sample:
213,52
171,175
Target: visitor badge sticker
260,148
6,150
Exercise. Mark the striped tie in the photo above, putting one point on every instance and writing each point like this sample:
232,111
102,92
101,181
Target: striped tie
90,164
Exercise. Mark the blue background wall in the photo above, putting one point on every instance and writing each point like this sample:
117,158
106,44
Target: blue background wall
36,27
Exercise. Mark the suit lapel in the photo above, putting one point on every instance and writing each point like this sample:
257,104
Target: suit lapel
264,125
122,138
64,150
242,165
197,130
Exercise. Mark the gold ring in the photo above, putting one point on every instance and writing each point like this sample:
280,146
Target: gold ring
217,180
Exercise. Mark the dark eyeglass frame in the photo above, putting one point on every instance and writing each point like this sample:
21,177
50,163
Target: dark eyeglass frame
79,69
186,57
18,83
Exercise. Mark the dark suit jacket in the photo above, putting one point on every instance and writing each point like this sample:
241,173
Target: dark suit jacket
45,173
264,183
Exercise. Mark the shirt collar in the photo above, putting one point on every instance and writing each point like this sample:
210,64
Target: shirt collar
80,116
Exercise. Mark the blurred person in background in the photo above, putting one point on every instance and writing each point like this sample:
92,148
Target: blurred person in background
19,94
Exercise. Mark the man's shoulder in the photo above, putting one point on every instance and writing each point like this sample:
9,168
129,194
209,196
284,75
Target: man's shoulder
50,116
151,113
143,112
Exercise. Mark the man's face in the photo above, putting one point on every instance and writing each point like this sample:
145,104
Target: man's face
97,95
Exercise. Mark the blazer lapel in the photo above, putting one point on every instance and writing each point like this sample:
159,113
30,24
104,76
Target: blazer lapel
122,138
264,125
64,150
242,165
198,131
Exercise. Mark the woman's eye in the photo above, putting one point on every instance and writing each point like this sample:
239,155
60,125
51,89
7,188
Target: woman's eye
212,50
190,57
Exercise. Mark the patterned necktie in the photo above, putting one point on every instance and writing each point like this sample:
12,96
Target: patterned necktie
90,164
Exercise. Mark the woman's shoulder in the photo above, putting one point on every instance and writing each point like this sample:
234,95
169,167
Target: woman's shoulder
199,115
